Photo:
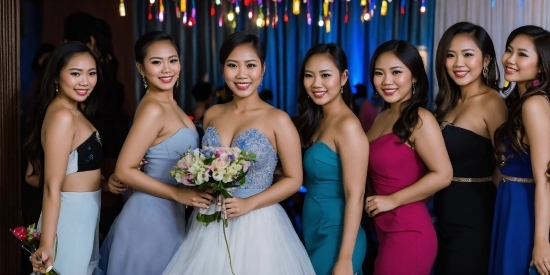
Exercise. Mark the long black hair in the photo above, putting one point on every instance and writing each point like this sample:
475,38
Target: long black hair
408,54
311,114
58,60
513,128
449,91
234,40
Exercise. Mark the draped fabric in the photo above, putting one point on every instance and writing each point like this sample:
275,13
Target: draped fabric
498,21
287,42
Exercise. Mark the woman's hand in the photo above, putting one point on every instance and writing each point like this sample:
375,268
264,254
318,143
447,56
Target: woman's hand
115,186
195,198
541,257
41,259
343,267
235,207
379,204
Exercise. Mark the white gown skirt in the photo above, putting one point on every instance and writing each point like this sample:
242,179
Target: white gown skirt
77,231
262,242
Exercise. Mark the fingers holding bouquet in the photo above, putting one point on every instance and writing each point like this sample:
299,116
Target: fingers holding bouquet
235,207
195,197
41,259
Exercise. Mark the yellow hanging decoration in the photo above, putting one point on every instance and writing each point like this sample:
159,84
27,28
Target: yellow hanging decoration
121,8
327,25
363,2
183,6
296,7
384,8
325,8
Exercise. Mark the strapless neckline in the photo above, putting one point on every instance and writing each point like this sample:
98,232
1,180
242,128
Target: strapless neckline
324,145
174,134
445,125
239,135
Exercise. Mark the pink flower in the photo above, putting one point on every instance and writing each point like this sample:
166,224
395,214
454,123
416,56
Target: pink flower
20,233
187,180
246,166
36,235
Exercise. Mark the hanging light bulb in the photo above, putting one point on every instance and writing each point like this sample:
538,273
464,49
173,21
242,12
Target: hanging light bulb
296,7
309,18
250,14
220,21
384,8
423,7
230,16
321,22
151,1
366,16
237,10
121,8
259,22
184,20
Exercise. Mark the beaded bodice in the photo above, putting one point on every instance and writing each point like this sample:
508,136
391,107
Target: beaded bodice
260,174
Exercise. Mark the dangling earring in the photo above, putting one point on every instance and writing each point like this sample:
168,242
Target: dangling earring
56,87
144,82
414,83
177,82
262,81
485,72
342,89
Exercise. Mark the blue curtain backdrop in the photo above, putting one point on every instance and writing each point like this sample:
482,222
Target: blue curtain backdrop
287,42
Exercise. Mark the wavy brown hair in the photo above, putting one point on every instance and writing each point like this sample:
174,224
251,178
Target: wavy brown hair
513,129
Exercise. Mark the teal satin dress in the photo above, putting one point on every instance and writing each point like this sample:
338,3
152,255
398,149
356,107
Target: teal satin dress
323,212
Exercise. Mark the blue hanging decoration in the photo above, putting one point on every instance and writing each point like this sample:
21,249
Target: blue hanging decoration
493,3
521,2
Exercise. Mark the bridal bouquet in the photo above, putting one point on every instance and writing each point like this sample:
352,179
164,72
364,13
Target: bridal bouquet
30,237
220,169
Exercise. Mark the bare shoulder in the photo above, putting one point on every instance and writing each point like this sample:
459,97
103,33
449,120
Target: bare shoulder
212,112
492,101
535,106
276,116
149,109
58,118
348,124
426,119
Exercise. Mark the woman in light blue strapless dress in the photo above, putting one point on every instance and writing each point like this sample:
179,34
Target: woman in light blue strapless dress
151,226
260,236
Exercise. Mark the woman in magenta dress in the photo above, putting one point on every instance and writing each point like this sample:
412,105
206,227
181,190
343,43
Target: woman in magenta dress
408,162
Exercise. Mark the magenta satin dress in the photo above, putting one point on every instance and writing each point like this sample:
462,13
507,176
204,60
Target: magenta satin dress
408,242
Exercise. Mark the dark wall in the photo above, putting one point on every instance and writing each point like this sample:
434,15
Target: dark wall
55,12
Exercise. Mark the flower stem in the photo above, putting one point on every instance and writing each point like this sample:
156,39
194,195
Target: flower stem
228,252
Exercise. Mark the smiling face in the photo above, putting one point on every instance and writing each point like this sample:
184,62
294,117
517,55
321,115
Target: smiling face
520,60
161,66
322,79
392,79
465,60
243,71
78,78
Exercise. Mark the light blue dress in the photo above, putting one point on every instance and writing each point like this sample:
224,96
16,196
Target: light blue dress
262,241
323,214
149,230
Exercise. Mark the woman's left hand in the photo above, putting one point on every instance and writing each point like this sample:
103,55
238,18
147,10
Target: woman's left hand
343,268
235,207
541,257
379,204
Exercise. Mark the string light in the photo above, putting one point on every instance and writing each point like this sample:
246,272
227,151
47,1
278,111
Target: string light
423,7
384,8
296,7
121,8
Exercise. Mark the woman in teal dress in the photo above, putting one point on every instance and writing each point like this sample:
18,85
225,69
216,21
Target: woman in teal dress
335,164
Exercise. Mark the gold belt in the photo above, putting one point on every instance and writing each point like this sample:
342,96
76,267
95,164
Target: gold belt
485,179
522,180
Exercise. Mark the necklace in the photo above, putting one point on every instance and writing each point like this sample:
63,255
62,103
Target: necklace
66,105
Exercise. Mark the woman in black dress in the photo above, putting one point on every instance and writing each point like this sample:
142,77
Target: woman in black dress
469,110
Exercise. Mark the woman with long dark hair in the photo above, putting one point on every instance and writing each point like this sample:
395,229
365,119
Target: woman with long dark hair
260,237
522,211
151,226
469,110
64,152
408,162
336,153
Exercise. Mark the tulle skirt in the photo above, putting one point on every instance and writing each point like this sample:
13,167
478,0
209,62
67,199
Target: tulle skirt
262,241
77,233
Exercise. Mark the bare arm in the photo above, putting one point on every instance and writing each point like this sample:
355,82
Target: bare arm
143,133
353,148
495,115
58,132
536,118
290,156
430,146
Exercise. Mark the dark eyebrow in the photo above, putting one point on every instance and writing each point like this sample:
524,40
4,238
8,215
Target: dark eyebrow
156,57
396,67
246,61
